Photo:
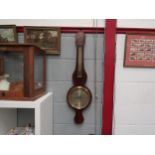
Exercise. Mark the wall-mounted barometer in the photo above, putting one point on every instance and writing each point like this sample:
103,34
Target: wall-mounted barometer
79,96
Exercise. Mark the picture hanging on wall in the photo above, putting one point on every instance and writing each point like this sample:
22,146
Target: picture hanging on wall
8,34
139,50
47,38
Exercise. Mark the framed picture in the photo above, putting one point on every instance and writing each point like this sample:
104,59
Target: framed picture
47,38
139,50
8,34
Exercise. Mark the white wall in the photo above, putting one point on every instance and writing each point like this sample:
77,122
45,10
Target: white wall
134,99
131,23
54,22
136,23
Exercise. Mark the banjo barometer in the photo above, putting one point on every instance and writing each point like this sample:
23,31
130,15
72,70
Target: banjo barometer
79,96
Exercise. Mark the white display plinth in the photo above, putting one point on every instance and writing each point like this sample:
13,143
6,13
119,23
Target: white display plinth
43,110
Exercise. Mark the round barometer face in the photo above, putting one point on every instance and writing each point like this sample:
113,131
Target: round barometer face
79,97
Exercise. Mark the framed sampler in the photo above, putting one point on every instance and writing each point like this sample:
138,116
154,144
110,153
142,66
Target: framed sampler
139,50
47,38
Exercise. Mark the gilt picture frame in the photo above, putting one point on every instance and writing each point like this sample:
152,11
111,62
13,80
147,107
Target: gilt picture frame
47,38
140,50
8,34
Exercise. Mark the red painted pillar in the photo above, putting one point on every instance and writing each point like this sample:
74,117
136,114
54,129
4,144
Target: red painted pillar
109,72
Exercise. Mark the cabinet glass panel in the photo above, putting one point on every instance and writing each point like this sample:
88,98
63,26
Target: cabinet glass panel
11,74
38,70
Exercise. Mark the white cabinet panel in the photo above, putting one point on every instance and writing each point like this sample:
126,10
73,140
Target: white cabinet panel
43,109
8,119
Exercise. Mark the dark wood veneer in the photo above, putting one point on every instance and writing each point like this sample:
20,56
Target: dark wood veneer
79,77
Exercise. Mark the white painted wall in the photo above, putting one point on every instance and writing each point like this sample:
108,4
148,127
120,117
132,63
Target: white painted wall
54,22
131,23
136,23
134,96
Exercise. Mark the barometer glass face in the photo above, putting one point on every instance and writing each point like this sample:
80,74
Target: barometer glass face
79,97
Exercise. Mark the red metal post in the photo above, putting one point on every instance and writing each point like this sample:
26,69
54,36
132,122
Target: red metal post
109,72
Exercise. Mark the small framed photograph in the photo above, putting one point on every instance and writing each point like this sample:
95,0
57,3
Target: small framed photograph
8,34
47,38
139,50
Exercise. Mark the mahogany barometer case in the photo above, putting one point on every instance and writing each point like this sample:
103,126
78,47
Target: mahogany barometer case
22,72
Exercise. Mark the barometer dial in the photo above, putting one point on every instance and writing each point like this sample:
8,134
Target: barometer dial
79,97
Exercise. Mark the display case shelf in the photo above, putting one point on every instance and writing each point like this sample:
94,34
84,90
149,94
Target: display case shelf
43,114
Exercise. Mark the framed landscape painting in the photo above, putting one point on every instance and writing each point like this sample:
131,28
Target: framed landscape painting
8,34
47,38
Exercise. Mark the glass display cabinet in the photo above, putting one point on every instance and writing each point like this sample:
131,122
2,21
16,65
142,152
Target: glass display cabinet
22,72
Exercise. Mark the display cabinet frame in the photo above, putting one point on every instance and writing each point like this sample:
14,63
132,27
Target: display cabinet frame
28,52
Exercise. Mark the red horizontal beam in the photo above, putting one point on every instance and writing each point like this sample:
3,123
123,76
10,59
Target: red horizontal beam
84,29
73,29
134,30
98,30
